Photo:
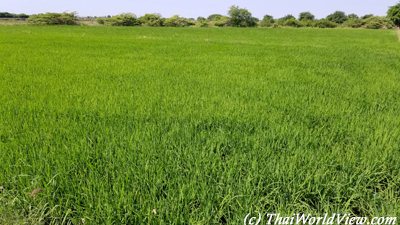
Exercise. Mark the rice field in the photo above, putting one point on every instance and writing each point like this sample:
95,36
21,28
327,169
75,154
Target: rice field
113,125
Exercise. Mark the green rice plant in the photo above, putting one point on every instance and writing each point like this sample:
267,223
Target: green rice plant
119,125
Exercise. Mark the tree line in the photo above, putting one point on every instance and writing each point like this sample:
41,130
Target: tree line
237,17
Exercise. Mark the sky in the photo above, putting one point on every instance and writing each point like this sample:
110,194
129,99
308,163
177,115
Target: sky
186,8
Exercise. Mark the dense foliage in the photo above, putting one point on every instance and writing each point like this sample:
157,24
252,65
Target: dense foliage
13,16
152,20
53,19
125,19
240,17
394,14
237,17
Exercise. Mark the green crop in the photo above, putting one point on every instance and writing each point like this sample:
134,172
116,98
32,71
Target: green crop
111,125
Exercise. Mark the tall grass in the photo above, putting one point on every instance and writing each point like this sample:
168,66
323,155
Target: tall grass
108,125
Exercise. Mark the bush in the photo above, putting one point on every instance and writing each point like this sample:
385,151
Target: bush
353,16
214,17
367,16
124,19
241,17
282,21
267,21
394,14
324,23
177,21
201,22
306,16
13,16
377,22
307,23
337,17
292,23
152,20
353,23
101,20
221,22
54,19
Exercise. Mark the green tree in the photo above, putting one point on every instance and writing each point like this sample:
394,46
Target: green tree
177,21
367,16
353,16
306,16
283,20
337,17
324,23
394,14
267,21
214,17
152,20
54,19
378,22
240,17
124,19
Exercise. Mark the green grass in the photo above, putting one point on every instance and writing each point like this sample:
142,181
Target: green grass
202,125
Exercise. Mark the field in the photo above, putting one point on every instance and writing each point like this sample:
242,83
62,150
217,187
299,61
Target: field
111,125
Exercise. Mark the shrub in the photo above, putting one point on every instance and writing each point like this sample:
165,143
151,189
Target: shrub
218,20
53,19
282,20
337,17
307,23
152,20
367,16
124,19
267,21
306,16
394,14
13,16
377,22
221,22
201,22
324,23
292,23
214,17
353,16
241,17
101,20
353,23
177,21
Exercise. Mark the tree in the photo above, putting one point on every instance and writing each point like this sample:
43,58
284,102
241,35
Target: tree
152,20
353,16
337,17
292,23
306,16
287,17
54,19
124,19
283,20
367,16
214,17
267,21
377,22
240,17
177,21
324,23
393,14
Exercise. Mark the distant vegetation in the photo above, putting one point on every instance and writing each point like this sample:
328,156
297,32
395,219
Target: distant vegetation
54,19
7,15
237,17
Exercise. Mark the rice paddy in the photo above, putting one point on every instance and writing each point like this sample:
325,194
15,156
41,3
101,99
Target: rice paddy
113,125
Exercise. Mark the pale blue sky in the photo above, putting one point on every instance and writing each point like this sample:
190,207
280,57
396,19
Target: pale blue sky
259,8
